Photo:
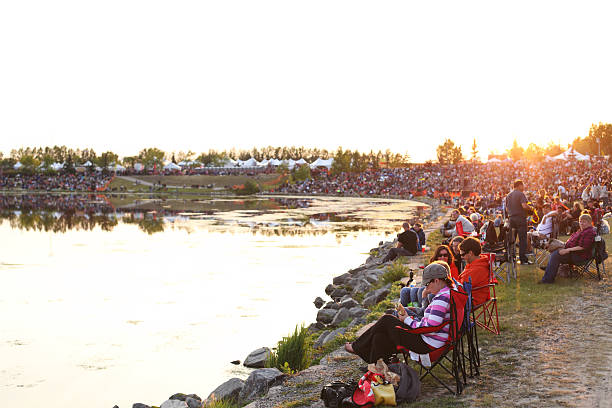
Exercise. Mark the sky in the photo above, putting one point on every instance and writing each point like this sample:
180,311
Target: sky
195,75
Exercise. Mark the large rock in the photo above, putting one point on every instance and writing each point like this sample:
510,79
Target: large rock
338,293
259,382
229,390
376,296
318,302
331,336
139,405
174,404
315,327
332,305
319,342
329,289
356,322
183,397
348,303
257,358
193,403
340,316
361,286
358,311
342,279
325,316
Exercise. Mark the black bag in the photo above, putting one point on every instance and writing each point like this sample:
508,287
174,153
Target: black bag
333,394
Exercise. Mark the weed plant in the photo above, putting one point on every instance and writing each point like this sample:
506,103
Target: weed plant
292,353
396,271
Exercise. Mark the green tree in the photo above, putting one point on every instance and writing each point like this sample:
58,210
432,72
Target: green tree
534,152
474,156
151,157
302,173
599,140
449,153
342,161
553,150
106,159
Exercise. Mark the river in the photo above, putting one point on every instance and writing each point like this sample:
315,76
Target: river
108,300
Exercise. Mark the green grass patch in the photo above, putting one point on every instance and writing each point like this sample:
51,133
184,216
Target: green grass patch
292,353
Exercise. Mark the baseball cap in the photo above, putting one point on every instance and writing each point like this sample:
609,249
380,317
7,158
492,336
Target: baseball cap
435,270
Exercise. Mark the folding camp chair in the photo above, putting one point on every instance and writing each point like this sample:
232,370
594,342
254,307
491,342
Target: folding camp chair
469,330
486,314
593,267
449,356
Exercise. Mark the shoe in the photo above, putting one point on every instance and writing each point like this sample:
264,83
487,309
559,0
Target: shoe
527,262
543,268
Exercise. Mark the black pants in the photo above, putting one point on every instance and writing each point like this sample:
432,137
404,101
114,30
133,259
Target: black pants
382,339
520,224
395,252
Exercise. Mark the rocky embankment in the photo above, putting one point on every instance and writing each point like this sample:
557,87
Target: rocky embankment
352,295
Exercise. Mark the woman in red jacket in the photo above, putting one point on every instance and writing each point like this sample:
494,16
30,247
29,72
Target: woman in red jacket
477,268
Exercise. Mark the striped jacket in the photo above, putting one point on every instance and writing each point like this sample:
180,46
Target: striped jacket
436,313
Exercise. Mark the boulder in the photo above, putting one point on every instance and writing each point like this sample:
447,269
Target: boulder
371,277
193,403
315,327
325,316
139,405
332,305
329,289
319,342
259,382
358,269
340,316
331,336
343,298
348,303
376,296
358,311
361,286
342,279
356,322
229,390
318,302
257,358
182,397
174,404
338,293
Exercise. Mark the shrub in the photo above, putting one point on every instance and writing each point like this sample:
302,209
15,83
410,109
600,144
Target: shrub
394,272
292,352
250,187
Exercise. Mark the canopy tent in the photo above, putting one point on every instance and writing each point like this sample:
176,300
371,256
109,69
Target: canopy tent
56,166
494,160
321,163
250,163
264,162
571,154
18,165
275,162
290,163
87,164
172,166
115,167
138,167
301,161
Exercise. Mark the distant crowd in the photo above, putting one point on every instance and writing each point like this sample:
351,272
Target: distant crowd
62,181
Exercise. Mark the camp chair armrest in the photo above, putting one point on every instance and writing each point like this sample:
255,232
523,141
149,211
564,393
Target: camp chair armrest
423,330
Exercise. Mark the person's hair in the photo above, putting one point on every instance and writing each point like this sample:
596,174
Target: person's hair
439,249
417,225
458,238
586,216
474,217
518,183
406,225
470,244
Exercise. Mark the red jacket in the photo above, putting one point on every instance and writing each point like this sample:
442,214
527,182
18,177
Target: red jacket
478,270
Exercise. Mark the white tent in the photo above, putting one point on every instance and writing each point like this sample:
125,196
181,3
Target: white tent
18,165
494,160
264,162
571,154
250,163
56,166
275,162
87,164
138,166
301,161
321,163
115,167
172,166
290,163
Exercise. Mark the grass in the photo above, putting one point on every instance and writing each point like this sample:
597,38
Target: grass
292,352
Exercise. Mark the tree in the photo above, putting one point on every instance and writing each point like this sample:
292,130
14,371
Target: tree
106,159
515,152
302,173
599,140
151,157
553,150
534,152
449,153
342,161
474,157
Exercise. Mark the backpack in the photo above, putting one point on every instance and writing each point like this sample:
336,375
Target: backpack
332,394
600,249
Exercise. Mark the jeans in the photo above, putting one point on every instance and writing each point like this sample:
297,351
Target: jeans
520,224
553,264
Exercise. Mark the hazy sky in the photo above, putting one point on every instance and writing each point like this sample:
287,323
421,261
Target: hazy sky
179,75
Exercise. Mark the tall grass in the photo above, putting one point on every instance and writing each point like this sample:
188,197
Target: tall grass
292,353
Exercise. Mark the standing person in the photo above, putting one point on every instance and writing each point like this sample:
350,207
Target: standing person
516,204
407,244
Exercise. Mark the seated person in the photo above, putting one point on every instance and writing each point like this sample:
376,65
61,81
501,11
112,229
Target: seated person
476,220
407,244
569,219
477,268
454,246
577,249
544,228
414,294
381,340
418,229
463,226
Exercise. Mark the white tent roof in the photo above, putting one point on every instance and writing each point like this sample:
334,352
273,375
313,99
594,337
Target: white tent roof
301,161
494,160
321,163
138,166
571,154
56,166
264,162
18,165
250,163
172,166
275,162
87,164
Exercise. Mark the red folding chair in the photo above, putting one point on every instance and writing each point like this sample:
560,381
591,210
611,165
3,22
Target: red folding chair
450,356
486,314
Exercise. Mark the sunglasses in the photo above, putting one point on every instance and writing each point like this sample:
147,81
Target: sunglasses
445,254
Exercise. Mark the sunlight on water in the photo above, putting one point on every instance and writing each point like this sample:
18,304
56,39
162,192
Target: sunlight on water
97,318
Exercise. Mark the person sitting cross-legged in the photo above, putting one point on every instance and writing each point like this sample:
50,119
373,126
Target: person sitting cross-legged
577,249
381,340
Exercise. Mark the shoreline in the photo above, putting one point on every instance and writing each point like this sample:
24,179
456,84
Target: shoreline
271,381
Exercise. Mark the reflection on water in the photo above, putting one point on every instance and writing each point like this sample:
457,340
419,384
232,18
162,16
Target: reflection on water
266,216
131,317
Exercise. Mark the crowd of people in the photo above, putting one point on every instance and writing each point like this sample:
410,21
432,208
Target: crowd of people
86,181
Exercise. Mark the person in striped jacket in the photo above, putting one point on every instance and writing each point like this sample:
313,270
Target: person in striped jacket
383,338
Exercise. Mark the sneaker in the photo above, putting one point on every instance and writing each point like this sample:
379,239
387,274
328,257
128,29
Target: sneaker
543,268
